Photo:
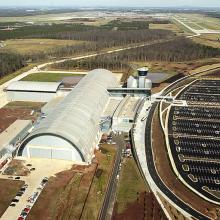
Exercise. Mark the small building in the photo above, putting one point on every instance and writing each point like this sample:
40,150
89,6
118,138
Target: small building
10,137
32,91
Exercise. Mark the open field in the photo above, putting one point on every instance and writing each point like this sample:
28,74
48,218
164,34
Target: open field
10,114
171,27
201,20
9,189
104,159
27,46
69,191
47,77
77,192
176,67
134,199
129,178
212,40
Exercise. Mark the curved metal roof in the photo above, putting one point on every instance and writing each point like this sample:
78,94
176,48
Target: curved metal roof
76,118
33,86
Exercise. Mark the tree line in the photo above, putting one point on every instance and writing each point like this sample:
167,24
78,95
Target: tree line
177,50
92,41
10,62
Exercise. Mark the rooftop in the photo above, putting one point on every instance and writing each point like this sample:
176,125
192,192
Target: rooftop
33,86
12,131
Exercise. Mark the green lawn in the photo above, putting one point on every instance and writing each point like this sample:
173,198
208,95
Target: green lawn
130,182
47,77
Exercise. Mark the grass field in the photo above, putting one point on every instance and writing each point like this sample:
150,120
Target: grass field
26,46
56,18
171,27
9,190
212,40
77,193
201,20
46,77
95,198
130,177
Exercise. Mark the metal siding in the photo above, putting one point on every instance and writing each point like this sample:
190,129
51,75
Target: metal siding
77,116
62,154
40,152
30,96
34,86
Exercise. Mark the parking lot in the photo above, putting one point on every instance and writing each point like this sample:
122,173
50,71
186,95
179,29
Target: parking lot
205,91
194,138
34,183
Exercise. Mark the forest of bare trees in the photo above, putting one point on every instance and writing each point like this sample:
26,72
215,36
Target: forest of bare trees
178,50
10,62
91,41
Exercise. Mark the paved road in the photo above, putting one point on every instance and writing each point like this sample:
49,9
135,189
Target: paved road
111,188
150,159
156,177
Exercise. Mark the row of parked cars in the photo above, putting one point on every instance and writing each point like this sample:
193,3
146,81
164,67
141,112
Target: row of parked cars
24,212
19,194
32,199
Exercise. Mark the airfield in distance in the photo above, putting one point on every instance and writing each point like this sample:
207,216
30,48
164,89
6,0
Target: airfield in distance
109,114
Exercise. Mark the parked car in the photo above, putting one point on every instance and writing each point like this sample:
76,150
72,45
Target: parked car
15,200
23,214
25,185
27,210
19,194
20,218
17,177
12,204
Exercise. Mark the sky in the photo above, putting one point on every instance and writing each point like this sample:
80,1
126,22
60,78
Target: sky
125,3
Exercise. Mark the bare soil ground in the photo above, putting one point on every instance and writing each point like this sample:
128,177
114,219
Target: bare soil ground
16,168
64,195
145,207
162,160
9,189
173,212
10,113
134,199
76,193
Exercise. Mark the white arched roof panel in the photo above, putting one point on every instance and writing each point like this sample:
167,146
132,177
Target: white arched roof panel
76,117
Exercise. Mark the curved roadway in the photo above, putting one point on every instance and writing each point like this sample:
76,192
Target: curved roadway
156,177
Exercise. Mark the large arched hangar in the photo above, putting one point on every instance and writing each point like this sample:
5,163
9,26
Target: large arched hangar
71,130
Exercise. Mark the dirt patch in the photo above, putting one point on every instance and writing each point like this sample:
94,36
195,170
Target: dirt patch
16,168
65,194
145,207
10,115
8,192
173,212
167,175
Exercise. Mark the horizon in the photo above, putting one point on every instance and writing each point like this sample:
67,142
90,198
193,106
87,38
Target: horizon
113,3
